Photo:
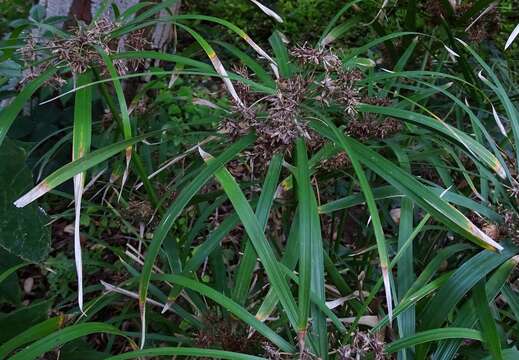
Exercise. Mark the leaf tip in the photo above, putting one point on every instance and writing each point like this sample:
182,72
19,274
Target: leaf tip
205,155
487,239
35,193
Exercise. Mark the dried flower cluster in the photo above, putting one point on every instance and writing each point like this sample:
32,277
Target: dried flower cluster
368,127
483,28
510,226
271,352
276,120
139,211
435,10
79,51
228,334
320,57
279,119
362,344
337,162
34,65
508,229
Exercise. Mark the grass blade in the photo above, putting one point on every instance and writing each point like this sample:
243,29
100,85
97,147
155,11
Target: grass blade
305,241
68,171
63,336
217,64
512,36
33,333
375,220
258,239
233,307
411,187
267,11
181,351
405,269
9,113
486,321
464,279
248,260
436,124
172,214
433,335
81,139
125,115
466,315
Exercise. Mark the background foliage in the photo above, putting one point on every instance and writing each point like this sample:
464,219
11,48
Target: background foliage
342,184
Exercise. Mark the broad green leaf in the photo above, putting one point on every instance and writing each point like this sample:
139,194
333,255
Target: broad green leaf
23,232
19,320
9,113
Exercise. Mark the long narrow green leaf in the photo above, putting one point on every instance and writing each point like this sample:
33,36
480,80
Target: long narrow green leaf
255,232
464,279
231,27
500,92
319,303
233,307
9,113
512,299
217,64
339,31
449,131
486,321
317,286
63,336
466,315
81,139
172,214
305,233
405,268
433,335
182,351
248,260
4,275
376,222
413,298
289,260
411,187
281,54
33,333
68,171
125,115
388,192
